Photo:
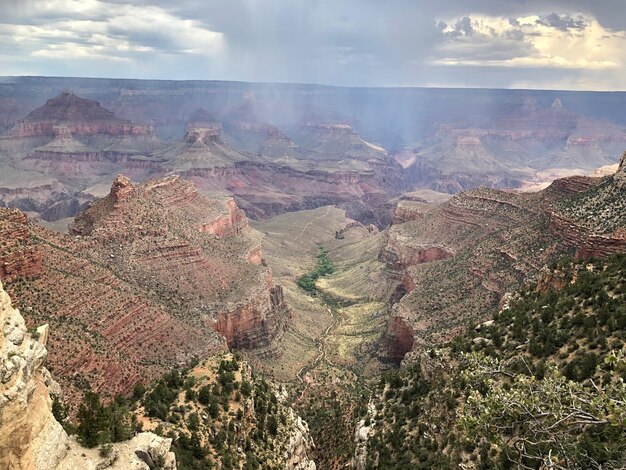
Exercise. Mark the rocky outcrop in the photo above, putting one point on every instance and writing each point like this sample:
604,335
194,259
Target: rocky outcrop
399,336
229,224
121,188
206,134
586,243
620,175
408,210
300,444
361,436
18,255
401,251
572,185
30,437
255,255
255,322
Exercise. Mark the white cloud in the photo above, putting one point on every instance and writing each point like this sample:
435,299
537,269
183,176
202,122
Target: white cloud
71,29
556,41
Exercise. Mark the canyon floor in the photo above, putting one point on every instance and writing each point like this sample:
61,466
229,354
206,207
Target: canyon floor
334,333
332,347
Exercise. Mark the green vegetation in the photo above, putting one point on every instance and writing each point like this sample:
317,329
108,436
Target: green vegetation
100,425
542,386
602,208
550,422
218,416
324,268
331,414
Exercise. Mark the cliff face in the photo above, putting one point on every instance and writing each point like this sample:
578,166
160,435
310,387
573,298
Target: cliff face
18,256
455,262
266,189
587,244
30,436
400,252
255,322
231,223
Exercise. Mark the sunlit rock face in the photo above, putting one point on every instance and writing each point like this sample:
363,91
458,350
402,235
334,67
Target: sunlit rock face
30,437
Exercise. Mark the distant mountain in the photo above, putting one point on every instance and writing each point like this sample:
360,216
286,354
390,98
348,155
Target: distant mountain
57,154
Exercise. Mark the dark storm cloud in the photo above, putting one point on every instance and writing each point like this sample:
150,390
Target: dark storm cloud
347,42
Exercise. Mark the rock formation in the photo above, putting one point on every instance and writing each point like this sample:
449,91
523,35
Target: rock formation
30,436
68,114
18,256
152,276
297,455
454,262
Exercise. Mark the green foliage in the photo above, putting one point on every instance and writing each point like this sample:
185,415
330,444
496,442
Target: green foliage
159,399
59,411
324,268
91,421
100,424
543,387
552,422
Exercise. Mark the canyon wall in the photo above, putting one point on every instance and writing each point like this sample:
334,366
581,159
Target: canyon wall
30,436
255,322
587,245
18,258
400,252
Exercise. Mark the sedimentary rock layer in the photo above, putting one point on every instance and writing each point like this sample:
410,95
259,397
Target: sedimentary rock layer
152,276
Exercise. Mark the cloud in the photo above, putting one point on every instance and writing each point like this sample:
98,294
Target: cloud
348,42
549,41
71,29
563,22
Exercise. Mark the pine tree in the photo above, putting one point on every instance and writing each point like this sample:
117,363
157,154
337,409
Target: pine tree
92,420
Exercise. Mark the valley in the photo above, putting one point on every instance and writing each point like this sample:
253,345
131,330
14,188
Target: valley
251,292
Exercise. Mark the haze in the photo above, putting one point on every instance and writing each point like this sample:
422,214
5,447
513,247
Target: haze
495,44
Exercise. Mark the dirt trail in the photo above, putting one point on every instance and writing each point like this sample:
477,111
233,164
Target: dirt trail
310,222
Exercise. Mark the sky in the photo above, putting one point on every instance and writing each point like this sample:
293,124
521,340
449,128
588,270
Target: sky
549,44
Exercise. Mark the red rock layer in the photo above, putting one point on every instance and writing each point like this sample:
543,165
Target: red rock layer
587,245
143,288
255,323
18,256
398,255
408,210
401,338
229,224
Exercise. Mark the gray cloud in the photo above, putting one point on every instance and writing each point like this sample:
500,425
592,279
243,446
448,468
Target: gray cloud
348,42
563,22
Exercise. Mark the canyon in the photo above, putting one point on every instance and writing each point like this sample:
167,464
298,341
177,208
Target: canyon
190,217
30,437
461,257
281,148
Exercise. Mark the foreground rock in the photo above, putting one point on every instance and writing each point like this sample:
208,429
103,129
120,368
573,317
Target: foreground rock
30,436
